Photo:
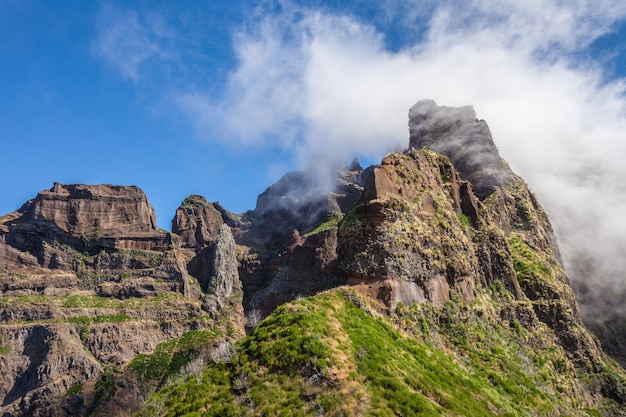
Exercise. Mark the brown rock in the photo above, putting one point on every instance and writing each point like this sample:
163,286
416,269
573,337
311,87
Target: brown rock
82,209
197,222
456,133
407,228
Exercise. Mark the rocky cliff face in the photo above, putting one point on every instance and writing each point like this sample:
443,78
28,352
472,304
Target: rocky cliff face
420,234
405,239
87,283
106,214
458,134
290,245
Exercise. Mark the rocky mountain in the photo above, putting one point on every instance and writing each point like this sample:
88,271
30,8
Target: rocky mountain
88,283
430,284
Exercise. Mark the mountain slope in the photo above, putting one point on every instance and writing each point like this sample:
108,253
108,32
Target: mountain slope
335,354
466,311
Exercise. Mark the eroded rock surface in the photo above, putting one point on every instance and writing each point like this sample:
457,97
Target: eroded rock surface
224,272
197,222
408,234
419,233
87,282
467,141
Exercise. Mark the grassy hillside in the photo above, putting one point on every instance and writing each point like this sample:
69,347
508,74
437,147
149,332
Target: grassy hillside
334,354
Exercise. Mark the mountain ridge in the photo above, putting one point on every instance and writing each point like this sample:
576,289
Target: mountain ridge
462,263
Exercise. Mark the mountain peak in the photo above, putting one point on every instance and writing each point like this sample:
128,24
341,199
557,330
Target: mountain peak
467,141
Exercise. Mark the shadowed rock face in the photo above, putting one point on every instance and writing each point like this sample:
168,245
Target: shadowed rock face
299,201
456,133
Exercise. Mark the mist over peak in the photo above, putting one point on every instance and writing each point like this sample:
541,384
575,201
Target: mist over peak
467,141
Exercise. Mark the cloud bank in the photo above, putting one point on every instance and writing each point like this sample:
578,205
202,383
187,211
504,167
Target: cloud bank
326,86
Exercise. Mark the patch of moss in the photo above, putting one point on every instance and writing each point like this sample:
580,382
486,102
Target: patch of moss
169,357
332,221
74,389
464,221
528,264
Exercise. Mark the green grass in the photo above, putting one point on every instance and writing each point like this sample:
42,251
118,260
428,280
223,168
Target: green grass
464,221
331,222
92,301
169,357
330,355
74,389
529,265
114,318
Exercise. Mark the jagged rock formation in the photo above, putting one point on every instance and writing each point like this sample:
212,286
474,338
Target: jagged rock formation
292,238
225,274
456,133
299,201
419,234
405,240
102,215
196,222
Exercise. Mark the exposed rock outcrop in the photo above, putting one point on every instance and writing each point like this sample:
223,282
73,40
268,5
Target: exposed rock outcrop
102,210
467,141
300,201
197,222
408,237
419,234
85,266
42,361
86,217
224,273
292,237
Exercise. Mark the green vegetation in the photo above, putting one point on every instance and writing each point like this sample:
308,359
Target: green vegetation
74,389
116,318
93,301
352,220
333,355
4,349
170,356
464,221
332,221
105,386
528,264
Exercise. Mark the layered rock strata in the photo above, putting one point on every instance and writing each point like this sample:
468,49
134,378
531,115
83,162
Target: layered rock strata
87,282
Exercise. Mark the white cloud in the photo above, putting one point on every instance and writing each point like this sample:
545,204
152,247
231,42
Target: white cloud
127,42
324,85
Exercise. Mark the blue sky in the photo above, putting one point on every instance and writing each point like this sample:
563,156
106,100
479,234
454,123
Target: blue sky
220,98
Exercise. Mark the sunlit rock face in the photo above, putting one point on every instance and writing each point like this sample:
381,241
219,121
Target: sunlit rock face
97,216
197,222
82,209
407,239
448,218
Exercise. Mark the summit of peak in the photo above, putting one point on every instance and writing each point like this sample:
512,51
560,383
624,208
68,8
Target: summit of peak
466,140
